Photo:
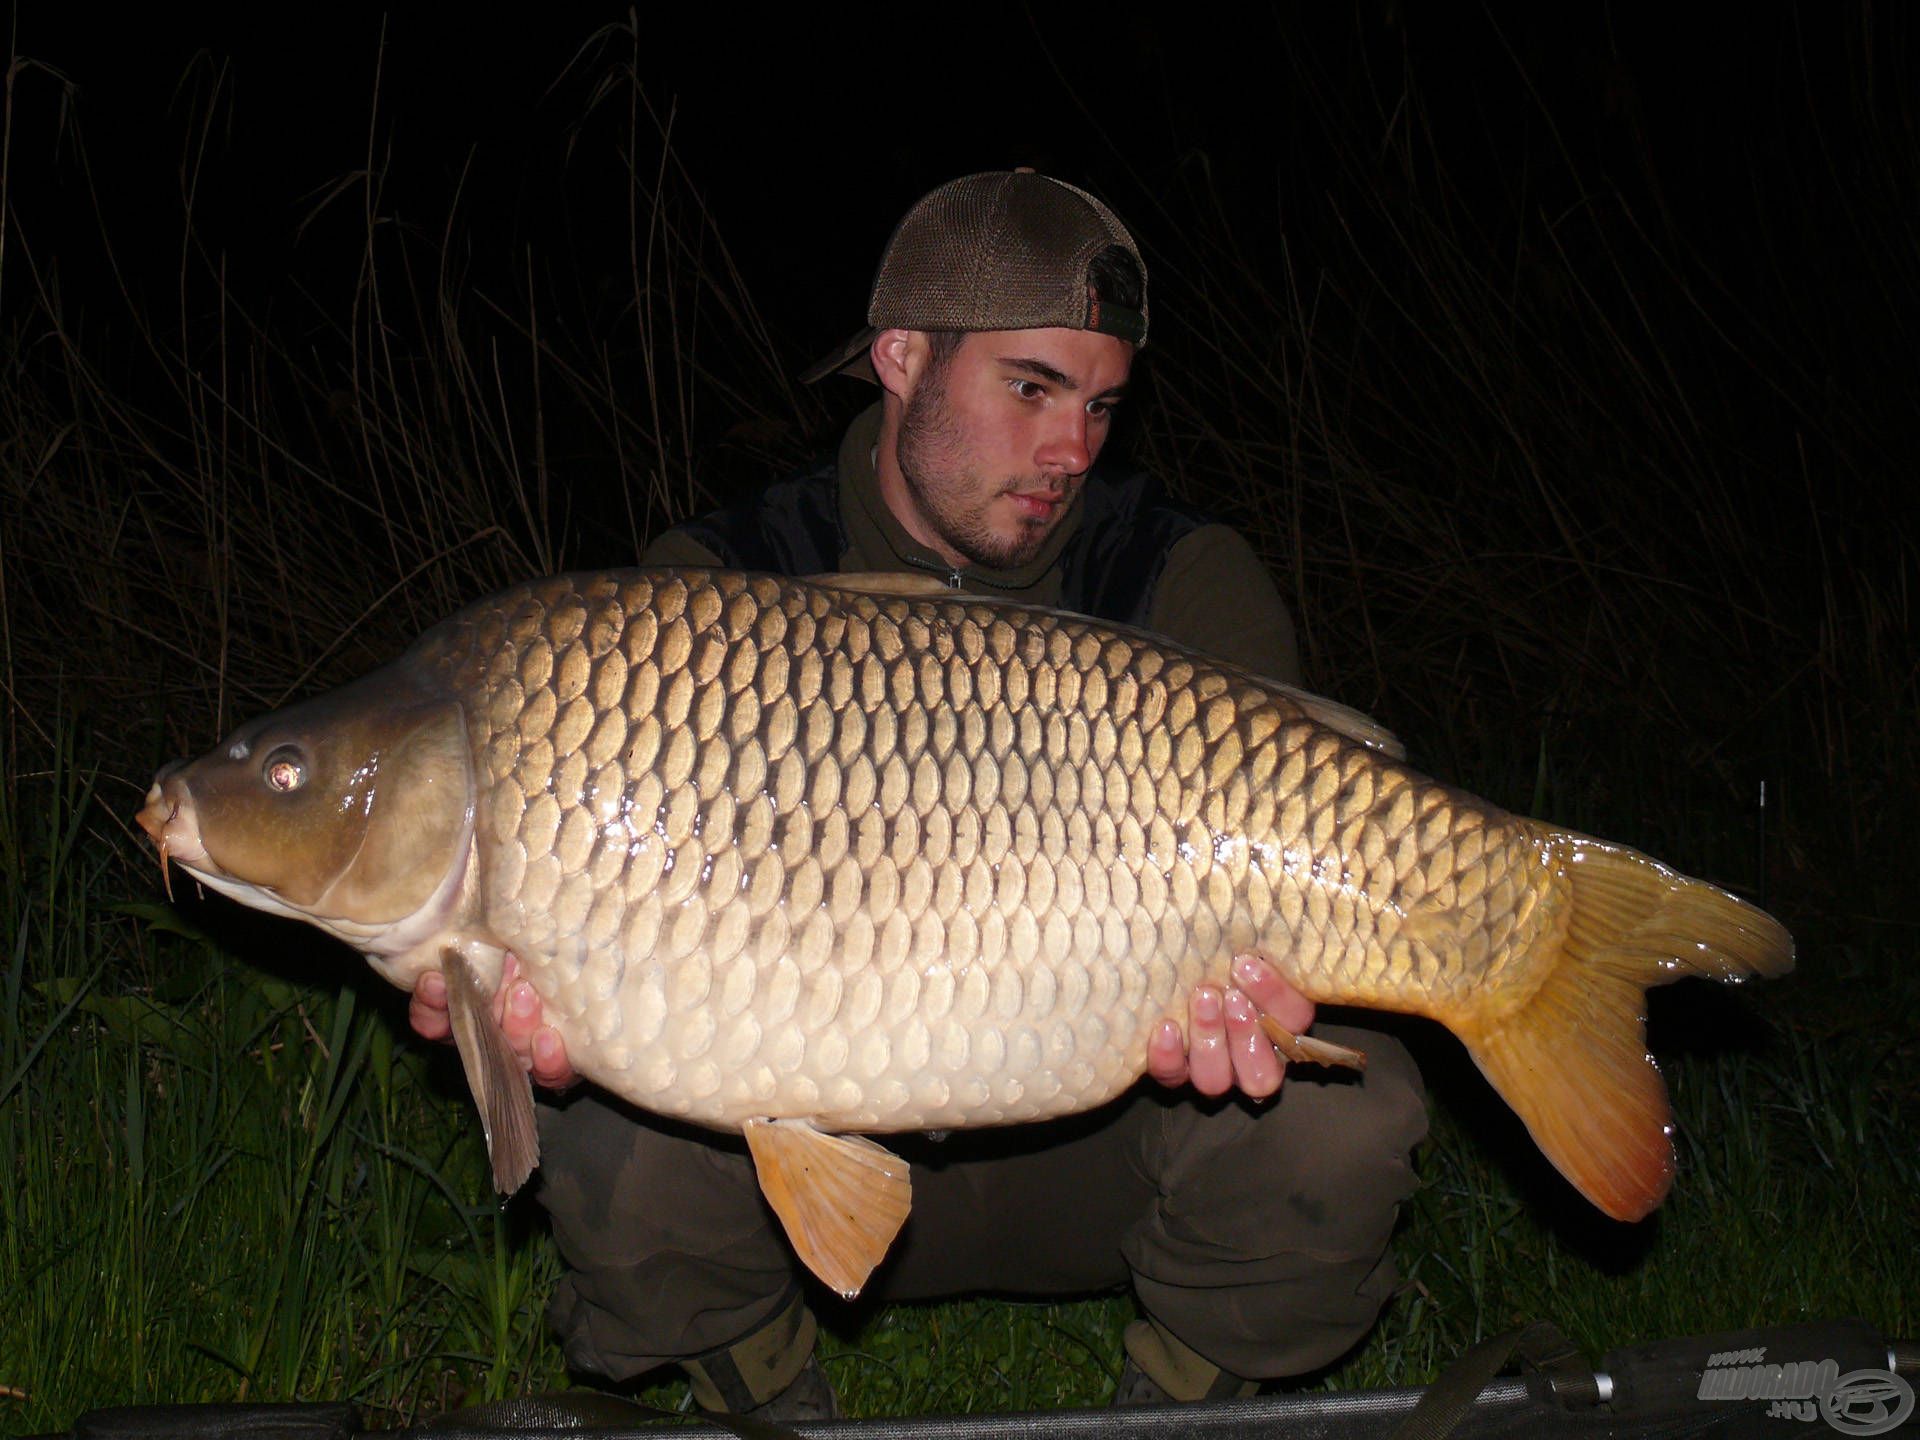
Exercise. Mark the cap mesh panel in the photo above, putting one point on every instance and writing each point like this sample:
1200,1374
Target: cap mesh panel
1001,251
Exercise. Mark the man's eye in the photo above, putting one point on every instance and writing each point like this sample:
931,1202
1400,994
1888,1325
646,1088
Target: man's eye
1029,389
1102,409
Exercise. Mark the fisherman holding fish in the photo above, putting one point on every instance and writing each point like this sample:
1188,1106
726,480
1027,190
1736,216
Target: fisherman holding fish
1004,322
810,857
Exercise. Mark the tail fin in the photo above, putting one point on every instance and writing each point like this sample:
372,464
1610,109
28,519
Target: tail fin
1573,1061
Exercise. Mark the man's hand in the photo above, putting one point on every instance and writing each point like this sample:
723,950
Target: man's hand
1225,1045
516,1009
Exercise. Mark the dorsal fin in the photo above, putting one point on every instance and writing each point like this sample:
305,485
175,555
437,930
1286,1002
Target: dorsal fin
913,585
1347,720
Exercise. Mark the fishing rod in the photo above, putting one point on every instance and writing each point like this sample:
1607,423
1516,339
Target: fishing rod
1742,1382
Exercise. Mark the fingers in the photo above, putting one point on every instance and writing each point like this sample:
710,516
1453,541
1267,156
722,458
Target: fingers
1256,1068
1167,1054
539,1046
1226,1048
427,1011
548,1061
522,1015
1263,985
516,1010
503,998
1208,1058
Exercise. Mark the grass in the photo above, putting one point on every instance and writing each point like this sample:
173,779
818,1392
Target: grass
1554,492
226,1184
239,1182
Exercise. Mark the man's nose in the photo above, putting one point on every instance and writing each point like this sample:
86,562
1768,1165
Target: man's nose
1067,449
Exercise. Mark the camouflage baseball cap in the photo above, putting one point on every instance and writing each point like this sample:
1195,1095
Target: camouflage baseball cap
1007,250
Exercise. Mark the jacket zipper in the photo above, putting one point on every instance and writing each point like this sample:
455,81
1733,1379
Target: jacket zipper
952,576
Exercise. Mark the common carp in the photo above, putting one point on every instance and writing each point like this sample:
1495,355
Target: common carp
817,859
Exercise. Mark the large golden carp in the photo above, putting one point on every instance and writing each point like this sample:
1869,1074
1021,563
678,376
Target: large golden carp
811,858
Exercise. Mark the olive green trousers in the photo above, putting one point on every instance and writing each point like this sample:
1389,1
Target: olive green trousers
1254,1233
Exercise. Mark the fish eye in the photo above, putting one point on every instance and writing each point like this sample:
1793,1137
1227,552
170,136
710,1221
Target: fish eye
284,769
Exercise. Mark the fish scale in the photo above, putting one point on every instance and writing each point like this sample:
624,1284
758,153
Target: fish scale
801,859
890,864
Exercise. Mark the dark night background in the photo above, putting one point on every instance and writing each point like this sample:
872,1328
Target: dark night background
807,133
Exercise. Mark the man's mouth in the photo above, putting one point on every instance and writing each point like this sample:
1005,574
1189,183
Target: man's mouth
1036,505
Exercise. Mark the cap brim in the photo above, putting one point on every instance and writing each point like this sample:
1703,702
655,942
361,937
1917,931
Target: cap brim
851,359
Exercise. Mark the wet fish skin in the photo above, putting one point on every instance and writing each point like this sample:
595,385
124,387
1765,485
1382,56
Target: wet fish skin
899,864
774,850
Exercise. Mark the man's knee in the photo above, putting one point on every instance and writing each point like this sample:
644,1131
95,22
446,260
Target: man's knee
1343,1170
1324,1168
1268,1251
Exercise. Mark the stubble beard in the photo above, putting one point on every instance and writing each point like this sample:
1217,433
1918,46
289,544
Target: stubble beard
949,492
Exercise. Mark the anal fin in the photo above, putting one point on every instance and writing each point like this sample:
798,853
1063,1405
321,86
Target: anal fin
501,1090
842,1198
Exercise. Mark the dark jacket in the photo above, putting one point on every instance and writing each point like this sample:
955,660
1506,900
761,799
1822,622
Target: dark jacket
1126,553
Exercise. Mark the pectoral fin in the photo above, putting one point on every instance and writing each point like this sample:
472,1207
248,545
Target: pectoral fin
841,1197
1305,1050
499,1083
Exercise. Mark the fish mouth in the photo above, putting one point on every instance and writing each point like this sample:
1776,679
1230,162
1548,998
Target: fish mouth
170,822
173,824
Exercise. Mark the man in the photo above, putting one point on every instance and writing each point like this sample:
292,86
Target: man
1003,326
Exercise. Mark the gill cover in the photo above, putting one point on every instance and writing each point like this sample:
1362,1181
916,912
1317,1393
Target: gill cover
353,805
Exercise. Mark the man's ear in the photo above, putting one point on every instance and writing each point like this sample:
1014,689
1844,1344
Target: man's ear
899,359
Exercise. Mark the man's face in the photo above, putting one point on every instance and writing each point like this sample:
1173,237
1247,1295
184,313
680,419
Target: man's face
995,443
